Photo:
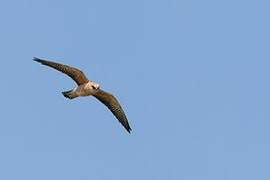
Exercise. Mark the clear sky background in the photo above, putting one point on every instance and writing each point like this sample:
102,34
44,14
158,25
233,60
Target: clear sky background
192,76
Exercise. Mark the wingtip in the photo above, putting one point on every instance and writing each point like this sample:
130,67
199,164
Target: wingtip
37,59
129,130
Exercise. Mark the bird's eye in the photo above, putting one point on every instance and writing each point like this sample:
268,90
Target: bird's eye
93,87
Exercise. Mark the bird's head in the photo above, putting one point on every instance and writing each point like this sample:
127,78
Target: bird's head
95,85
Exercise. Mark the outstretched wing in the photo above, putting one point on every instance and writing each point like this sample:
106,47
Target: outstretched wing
76,74
111,102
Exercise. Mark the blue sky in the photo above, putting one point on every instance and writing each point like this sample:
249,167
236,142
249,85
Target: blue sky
192,76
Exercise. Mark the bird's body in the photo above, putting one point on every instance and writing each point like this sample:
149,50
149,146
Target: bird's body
87,87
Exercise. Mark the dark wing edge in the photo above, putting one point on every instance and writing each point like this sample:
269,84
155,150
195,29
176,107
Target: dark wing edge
76,74
114,106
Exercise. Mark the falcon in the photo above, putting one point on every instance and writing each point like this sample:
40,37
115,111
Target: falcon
87,87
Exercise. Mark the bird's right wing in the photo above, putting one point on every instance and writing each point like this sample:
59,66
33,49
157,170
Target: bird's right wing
111,102
76,74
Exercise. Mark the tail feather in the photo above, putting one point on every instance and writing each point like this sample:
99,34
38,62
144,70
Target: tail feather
68,94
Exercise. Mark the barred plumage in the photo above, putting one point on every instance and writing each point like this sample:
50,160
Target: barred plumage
111,102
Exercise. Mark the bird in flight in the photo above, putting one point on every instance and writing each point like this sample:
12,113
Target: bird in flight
87,87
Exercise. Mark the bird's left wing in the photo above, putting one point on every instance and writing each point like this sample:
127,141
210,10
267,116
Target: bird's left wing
111,102
76,74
